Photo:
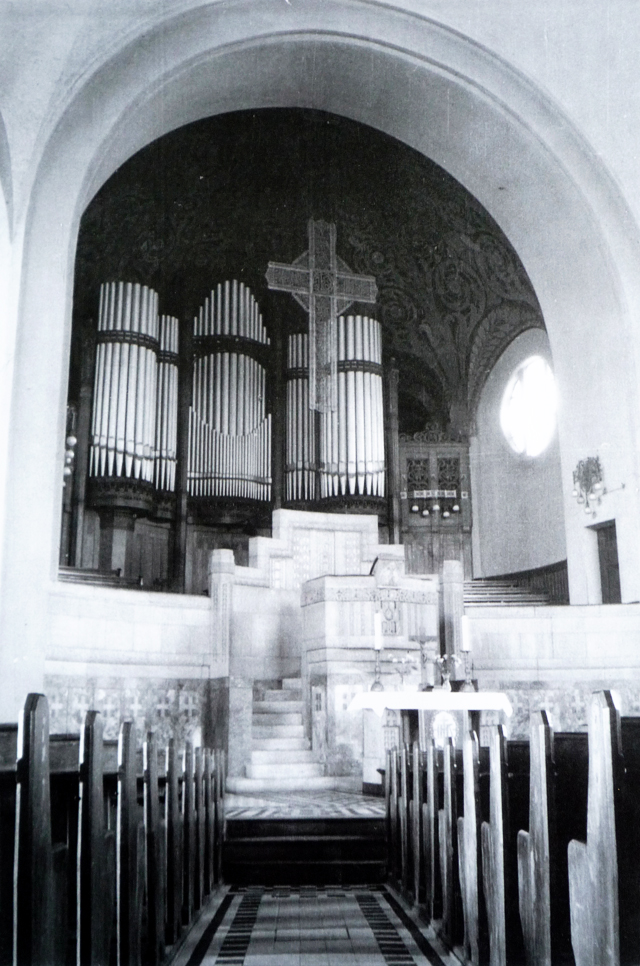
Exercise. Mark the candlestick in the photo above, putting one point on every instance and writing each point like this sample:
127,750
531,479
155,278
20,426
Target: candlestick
465,644
377,630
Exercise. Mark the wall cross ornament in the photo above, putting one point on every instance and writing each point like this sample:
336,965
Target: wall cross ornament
325,287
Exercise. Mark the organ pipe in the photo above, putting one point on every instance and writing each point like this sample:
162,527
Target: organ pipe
123,433
167,405
352,460
229,430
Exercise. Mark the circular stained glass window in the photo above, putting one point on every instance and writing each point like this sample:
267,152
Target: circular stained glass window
528,410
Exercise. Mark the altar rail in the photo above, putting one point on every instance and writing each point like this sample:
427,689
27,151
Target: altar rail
107,851
524,851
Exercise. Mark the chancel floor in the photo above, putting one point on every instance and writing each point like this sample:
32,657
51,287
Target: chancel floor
301,804
309,926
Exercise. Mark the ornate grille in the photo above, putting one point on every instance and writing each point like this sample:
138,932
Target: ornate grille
418,474
449,473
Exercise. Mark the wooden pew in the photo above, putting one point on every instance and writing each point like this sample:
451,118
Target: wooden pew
210,822
508,805
33,899
404,820
156,855
96,894
430,851
451,924
173,819
89,848
220,782
417,818
604,881
198,890
557,813
8,768
394,830
476,930
189,834
129,851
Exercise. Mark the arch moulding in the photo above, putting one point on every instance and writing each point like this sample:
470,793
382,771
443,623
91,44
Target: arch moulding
405,75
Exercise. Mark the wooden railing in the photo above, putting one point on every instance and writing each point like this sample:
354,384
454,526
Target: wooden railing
524,852
107,851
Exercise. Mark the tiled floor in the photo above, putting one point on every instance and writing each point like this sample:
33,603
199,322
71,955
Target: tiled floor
316,804
307,926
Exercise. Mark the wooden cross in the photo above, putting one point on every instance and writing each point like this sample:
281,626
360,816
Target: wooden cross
325,287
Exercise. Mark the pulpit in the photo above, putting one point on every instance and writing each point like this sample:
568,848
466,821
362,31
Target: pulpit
352,625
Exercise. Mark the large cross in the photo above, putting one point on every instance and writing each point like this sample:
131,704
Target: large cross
325,287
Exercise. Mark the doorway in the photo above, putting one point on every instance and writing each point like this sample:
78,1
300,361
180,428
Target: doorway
608,560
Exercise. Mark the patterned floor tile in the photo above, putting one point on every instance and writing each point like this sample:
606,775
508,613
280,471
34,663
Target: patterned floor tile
307,926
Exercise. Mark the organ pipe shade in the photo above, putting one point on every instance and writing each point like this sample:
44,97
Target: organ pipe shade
123,438
229,430
231,309
351,445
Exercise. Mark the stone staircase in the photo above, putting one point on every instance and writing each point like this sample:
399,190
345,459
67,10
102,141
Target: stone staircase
318,851
281,758
496,592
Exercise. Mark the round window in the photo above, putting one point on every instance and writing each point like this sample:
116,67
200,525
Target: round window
528,410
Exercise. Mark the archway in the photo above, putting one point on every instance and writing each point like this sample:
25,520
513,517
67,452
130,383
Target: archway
423,84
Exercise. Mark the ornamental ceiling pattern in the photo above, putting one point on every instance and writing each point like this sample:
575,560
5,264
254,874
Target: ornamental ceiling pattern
219,198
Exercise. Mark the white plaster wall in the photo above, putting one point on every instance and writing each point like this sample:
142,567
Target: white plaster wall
111,631
7,316
83,87
266,633
552,646
518,503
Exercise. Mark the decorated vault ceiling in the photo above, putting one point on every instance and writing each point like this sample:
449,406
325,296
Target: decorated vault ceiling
219,198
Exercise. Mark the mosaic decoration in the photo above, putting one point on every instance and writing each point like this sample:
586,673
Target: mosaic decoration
567,707
172,707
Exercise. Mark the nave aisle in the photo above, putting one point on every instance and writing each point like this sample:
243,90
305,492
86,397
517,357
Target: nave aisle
309,926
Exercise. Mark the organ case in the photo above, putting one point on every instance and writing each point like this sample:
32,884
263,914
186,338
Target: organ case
229,428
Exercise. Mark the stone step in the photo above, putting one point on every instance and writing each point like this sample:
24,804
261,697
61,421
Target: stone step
285,770
240,786
275,720
283,696
278,707
280,744
260,756
278,731
291,684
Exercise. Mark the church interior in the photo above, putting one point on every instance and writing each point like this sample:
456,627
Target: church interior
319,463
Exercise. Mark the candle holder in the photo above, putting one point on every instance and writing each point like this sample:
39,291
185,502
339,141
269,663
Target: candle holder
468,672
405,666
447,663
377,684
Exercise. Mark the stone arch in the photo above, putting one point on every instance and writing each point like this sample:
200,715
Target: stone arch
408,76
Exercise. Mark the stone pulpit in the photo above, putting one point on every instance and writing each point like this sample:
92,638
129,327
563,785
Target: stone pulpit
359,630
